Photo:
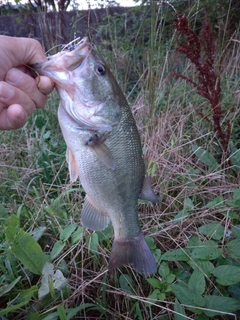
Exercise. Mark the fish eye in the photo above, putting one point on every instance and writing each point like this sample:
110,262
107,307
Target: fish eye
100,69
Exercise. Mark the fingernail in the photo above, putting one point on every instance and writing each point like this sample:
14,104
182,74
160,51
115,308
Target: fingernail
21,114
6,92
14,76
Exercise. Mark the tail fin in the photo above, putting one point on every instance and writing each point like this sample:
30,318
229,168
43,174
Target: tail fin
133,251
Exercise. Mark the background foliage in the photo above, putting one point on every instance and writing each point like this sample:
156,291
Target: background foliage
52,268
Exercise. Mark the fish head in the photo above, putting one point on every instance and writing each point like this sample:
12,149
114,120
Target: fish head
87,88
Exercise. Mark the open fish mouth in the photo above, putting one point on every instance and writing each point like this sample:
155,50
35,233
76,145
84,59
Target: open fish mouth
71,56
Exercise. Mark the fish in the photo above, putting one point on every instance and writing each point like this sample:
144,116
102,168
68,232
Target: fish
103,150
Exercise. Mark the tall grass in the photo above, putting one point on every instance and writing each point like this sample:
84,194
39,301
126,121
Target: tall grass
194,233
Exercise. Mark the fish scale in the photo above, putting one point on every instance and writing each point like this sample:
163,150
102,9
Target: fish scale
103,150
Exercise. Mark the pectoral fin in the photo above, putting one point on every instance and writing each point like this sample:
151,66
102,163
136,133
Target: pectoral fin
92,218
103,153
147,192
72,165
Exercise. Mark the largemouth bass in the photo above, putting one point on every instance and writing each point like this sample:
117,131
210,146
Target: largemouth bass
103,150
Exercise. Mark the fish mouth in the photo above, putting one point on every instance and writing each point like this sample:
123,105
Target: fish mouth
70,58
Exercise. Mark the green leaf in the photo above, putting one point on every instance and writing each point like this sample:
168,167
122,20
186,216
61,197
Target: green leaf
230,214
188,205
235,158
233,203
170,278
126,283
227,275
205,266
93,243
155,283
13,221
22,299
212,230
194,242
157,254
3,215
68,231
208,251
26,249
187,296
221,304
8,287
150,242
25,294
37,233
137,311
180,312
51,316
236,193
61,312
155,296
197,281
73,311
105,234
218,201
3,211
33,316
180,216
175,255
57,249
163,269
236,230
234,291
77,235
233,248
205,157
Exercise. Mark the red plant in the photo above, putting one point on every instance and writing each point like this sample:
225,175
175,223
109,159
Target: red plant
200,50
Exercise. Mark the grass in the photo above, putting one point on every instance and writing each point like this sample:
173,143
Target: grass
194,233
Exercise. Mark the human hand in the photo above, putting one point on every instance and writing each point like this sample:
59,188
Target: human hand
20,92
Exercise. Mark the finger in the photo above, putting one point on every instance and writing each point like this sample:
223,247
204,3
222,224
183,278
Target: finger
27,85
45,84
11,95
13,117
29,51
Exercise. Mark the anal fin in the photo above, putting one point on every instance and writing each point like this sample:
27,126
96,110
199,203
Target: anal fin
147,192
92,218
